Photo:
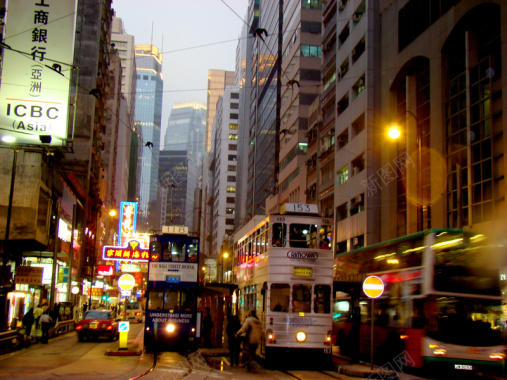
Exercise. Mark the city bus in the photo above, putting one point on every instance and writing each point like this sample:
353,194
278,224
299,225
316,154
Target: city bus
172,322
442,306
284,271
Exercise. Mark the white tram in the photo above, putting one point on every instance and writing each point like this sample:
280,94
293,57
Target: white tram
285,271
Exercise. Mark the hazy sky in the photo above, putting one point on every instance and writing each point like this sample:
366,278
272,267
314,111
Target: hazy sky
181,30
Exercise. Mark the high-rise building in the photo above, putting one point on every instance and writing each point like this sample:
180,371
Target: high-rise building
224,151
173,184
149,93
125,177
185,131
217,80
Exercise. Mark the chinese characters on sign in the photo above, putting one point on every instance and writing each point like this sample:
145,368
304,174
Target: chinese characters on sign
28,275
34,97
132,252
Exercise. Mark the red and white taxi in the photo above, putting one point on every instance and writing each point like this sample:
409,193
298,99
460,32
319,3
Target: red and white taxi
96,324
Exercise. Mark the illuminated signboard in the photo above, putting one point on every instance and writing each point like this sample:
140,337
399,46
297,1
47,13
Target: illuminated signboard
302,272
105,270
37,71
128,218
131,252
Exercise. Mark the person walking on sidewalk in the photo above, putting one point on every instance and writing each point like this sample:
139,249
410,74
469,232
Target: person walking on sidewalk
234,341
252,331
45,324
28,320
207,325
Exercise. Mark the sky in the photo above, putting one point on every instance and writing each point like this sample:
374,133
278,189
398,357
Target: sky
194,35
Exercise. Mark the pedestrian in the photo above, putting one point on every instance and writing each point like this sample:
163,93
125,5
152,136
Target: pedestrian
85,307
28,320
207,325
37,313
252,331
234,341
45,324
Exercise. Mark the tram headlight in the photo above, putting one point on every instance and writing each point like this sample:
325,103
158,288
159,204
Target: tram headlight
440,352
300,336
170,328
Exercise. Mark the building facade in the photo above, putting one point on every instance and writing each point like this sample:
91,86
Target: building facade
149,93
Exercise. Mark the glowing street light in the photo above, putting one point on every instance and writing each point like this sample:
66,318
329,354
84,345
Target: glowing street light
394,132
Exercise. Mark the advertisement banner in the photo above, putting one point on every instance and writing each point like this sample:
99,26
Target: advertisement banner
36,74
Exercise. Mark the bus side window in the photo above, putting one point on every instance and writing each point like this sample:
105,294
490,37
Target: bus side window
279,297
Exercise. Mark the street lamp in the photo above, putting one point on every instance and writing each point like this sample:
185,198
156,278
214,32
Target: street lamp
225,255
394,132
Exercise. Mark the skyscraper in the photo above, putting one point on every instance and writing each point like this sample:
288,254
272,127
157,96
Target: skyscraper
217,80
185,132
148,121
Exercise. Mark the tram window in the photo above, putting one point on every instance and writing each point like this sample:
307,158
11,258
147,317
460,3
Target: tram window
155,299
187,303
279,233
178,251
156,248
325,237
303,236
279,297
301,298
192,253
171,300
321,303
166,251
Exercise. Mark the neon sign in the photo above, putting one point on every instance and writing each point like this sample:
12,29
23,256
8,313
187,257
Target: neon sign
131,252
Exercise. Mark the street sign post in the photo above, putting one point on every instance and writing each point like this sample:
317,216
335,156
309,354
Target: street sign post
373,287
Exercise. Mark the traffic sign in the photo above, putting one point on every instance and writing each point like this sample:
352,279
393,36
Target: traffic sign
373,287
123,326
126,282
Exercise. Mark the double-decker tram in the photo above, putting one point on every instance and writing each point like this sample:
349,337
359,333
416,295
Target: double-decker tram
284,272
441,310
172,321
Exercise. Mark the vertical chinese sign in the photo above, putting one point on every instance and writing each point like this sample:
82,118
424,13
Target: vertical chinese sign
36,74
128,219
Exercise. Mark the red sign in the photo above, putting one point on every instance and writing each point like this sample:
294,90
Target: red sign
132,252
28,275
105,270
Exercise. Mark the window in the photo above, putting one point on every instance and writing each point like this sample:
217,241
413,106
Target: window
234,95
341,247
232,157
145,77
231,189
357,204
233,136
229,221
153,77
344,34
311,51
325,236
342,212
311,4
233,116
234,106
231,178
279,235
229,211
322,300
231,168
233,126
303,235
342,175
301,298
230,200
233,147
279,297
173,251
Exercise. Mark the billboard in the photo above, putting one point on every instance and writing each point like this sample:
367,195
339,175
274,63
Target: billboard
128,219
36,74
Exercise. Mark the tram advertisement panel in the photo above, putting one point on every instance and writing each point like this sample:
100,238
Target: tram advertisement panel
173,272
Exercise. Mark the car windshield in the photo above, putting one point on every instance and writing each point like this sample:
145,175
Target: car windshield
133,306
98,315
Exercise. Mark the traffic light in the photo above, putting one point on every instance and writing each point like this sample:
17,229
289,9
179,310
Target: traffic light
104,298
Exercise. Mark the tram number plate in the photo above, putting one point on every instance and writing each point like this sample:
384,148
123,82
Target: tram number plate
465,367
327,350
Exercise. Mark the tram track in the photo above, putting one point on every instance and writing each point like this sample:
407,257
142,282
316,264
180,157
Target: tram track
295,376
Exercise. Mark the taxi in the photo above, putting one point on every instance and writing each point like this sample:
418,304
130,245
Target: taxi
97,324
